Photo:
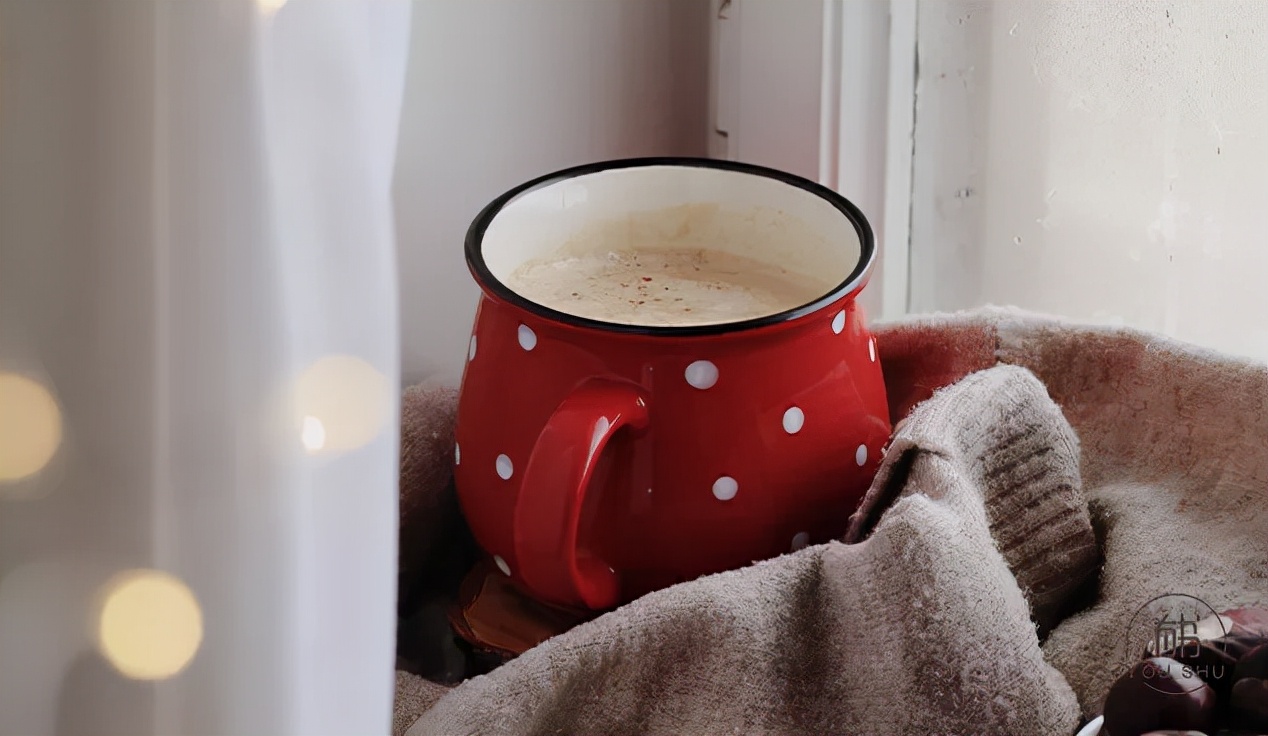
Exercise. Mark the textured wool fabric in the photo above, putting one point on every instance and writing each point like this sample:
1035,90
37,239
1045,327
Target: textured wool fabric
976,541
435,547
427,423
921,628
1021,458
414,695
1174,448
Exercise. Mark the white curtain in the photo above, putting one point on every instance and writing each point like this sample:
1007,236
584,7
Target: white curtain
198,365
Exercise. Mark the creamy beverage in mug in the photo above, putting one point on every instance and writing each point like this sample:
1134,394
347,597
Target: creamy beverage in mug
662,276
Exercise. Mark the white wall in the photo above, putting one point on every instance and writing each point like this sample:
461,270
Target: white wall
499,91
1105,161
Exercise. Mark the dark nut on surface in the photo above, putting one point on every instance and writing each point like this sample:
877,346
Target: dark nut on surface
1248,701
1253,663
1159,693
1221,642
1215,660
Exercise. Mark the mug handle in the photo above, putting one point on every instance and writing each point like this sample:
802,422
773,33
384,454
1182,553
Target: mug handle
547,513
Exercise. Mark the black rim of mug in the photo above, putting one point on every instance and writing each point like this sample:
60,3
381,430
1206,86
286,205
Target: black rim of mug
852,282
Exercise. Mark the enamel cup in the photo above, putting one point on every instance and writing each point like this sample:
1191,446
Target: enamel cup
600,460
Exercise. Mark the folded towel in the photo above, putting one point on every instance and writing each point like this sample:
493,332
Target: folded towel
968,594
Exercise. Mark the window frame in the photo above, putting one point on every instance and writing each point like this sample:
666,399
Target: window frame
846,116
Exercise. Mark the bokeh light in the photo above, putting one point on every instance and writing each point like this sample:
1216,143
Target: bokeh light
150,625
30,427
313,435
342,403
269,7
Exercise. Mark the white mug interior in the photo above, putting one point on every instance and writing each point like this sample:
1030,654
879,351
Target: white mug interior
746,214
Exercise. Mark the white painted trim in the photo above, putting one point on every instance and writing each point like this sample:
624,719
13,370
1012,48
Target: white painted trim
901,128
724,77
852,131
859,56
829,92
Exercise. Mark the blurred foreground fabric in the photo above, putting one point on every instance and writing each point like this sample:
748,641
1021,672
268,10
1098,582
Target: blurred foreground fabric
199,366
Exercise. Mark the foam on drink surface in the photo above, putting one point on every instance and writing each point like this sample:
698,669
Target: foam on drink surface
664,286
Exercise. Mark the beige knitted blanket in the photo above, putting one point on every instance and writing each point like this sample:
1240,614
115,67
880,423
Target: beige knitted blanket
1050,479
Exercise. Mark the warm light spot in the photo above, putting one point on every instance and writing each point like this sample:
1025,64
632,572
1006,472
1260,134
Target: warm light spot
313,435
150,625
342,403
269,7
30,427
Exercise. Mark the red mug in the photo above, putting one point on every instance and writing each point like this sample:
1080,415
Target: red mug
599,459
